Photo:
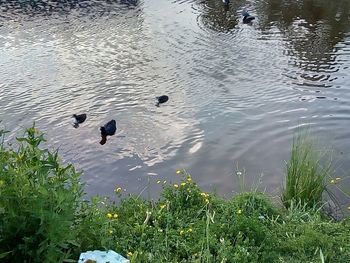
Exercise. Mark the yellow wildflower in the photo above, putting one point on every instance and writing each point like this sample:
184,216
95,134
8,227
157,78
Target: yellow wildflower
178,172
109,215
183,184
158,182
239,211
115,215
176,185
332,181
189,179
162,206
205,195
129,254
118,190
110,231
189,230
181,232
206,200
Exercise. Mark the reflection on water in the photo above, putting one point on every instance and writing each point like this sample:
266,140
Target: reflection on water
16,9
217,16
314,32
236,92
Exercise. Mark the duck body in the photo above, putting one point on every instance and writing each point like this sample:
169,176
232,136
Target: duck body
161,99
79,119
226,2
247,18
109,128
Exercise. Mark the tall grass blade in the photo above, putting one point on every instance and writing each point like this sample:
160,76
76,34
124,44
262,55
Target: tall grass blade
305,175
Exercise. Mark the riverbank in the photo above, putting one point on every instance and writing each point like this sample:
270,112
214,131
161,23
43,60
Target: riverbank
44,219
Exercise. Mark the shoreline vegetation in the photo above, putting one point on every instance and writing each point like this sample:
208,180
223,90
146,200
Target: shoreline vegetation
43,217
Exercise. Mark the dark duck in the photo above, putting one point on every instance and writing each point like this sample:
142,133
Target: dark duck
108,130
161,99
78,119
226,2
247,18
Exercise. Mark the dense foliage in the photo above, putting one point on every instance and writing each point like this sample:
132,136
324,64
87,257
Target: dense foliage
38,201
43,218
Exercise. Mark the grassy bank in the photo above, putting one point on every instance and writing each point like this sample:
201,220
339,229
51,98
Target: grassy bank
44,219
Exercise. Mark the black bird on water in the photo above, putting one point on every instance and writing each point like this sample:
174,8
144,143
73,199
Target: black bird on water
108,129
161,99
247,18
226,2
78,119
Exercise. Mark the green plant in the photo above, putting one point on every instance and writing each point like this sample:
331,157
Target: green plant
44,219
38,201
306,177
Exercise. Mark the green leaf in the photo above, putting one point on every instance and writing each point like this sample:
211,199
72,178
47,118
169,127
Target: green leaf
3,255
69,260
73,242
321,256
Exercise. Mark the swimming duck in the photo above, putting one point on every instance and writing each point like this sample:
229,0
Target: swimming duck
108,129
226,2
161,99
247,18
78,119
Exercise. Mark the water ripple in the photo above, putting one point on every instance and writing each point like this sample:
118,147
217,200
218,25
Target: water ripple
237,91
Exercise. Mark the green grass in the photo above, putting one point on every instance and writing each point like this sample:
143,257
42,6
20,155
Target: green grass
43,218
306,178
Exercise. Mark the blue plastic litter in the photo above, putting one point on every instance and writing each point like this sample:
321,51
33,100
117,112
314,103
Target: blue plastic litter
102,257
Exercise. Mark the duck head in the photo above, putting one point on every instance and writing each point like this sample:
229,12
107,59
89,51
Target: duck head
103,139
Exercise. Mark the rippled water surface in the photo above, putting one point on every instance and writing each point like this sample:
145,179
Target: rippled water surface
237,91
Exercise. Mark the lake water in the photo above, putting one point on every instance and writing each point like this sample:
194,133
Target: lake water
237,91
